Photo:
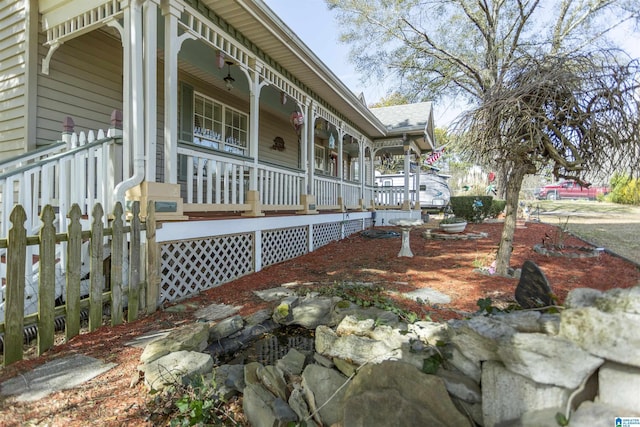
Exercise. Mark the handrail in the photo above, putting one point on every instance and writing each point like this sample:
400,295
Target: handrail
25,157
58,156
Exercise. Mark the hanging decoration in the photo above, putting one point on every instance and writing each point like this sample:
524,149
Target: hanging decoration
434,156
220,60
332,141
278,143
283,97
297,120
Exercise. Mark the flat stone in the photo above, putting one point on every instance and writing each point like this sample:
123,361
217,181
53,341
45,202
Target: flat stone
144,339
178,367
398,394
53,376
428,296
533,290
613,336
216,312
547,360
274,294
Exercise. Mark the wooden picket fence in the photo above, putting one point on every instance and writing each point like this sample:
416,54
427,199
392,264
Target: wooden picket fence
141,292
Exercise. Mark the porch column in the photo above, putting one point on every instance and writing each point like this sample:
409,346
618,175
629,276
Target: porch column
308,200
406,204
311,160
362,173
171,13
255,86
150,10
341,198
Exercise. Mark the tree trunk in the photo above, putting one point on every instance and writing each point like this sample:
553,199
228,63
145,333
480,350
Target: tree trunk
503,178
513,185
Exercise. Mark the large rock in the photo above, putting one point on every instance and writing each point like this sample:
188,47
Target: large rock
619,386
478,337
179,367
548,360
613,336
626,300
506,396
313,312
401,395
323,388
593,414
193,337
225,328
263,409
272,379
533,289
351,347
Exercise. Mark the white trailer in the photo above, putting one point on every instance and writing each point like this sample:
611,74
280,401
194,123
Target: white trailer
432,189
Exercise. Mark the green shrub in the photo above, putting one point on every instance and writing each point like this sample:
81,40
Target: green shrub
624,190
497,207
471,208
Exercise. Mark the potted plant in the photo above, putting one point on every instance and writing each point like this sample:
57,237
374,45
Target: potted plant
453,224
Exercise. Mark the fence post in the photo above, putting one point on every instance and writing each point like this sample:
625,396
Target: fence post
47,280
134,263
117,252
96,267
74,263
67,131
153,260
14,314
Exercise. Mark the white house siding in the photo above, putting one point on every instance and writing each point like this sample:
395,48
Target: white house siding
84,82
13,51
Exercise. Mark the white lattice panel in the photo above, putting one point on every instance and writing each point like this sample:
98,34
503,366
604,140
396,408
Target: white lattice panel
326,233
283,244
353,226
191,266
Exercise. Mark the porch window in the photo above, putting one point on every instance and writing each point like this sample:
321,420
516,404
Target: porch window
219,126
319,157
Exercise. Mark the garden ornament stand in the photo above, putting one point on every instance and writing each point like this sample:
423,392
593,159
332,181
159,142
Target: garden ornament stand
406,224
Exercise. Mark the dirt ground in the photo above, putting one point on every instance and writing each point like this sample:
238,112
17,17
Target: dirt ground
449,267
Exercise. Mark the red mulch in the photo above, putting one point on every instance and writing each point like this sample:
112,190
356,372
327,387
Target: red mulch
446,266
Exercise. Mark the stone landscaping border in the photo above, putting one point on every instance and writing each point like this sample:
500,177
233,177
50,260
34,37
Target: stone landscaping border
574,251
437,234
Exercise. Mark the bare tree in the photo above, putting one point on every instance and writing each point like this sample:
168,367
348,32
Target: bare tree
474,50
576,114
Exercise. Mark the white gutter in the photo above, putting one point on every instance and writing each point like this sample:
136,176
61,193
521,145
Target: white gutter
136,136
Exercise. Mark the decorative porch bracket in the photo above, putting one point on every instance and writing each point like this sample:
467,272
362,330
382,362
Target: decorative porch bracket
45,61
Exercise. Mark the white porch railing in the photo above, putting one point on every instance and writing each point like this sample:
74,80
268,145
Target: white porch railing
351,194
327,191
220,183
82,175
390,197
14,163
279,187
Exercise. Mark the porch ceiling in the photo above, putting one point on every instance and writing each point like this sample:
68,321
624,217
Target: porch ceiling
261,25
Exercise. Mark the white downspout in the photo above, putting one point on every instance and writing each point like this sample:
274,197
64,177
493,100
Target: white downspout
137,104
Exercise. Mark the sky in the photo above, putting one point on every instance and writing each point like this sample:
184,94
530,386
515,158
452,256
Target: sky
315,25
